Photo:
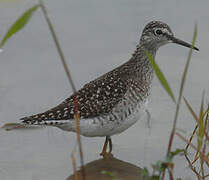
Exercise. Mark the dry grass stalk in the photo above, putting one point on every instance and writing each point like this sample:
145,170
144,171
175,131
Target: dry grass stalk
203,159
67,71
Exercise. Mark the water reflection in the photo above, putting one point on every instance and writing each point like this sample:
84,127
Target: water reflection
110,168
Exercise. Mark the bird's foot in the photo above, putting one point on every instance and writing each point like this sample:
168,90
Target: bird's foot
106,155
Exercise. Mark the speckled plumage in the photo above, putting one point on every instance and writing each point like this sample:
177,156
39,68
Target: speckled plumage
110,104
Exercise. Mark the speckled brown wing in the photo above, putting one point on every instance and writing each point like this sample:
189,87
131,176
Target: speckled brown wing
94,99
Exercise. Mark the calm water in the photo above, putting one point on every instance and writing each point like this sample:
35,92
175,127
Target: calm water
96,36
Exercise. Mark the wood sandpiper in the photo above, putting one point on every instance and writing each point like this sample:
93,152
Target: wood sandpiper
115,101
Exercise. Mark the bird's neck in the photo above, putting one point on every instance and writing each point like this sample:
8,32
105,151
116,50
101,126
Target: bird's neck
142,48
141,66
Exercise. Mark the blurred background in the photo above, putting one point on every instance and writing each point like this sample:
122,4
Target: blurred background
96,36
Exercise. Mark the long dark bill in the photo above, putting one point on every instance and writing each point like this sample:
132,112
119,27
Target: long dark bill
183,43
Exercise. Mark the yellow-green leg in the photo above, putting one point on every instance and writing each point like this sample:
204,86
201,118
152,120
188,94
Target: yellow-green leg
104,152
110,144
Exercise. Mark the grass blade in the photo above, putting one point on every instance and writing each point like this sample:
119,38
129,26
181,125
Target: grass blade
201,124
191,110
19,24
160,76
181,89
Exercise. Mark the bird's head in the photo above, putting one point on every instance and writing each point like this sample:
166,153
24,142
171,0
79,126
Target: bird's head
157,33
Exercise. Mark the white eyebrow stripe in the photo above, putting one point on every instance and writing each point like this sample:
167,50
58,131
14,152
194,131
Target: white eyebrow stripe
166,31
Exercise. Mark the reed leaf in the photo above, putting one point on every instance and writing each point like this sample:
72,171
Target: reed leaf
160,76
19,24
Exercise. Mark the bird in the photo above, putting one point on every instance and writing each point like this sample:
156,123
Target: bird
115,101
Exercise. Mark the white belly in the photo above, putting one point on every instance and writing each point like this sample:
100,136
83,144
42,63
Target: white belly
104,126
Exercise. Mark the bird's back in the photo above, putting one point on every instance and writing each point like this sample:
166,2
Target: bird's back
94,99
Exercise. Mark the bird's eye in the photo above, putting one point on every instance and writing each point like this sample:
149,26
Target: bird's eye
158,32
